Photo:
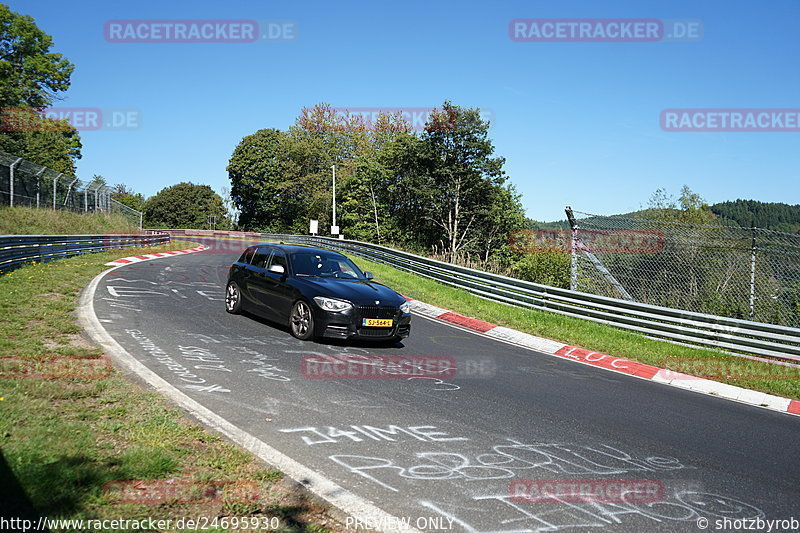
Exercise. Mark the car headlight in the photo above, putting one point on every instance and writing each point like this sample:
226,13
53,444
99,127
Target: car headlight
330,304
405,307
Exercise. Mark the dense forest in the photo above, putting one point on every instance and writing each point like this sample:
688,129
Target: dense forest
752,213
745,213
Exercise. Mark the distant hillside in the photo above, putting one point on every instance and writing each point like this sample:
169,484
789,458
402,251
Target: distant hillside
535,224
744,213
749,213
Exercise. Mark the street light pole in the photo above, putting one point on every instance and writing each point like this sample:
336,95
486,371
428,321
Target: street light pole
334,196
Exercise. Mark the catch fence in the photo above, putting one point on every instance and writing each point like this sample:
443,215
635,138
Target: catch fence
715,269
27,184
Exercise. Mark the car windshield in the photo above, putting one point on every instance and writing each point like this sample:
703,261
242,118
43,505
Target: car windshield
320,264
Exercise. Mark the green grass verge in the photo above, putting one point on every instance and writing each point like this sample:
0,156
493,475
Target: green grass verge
766,377
63,440
32,221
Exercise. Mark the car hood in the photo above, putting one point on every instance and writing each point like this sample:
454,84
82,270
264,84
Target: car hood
360,292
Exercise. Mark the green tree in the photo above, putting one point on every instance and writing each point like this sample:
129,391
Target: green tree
31,77
688,208
749,213
126,196
30,74
365,196
51,143
502,214
443,188
453,181
185,205
547,267
265,187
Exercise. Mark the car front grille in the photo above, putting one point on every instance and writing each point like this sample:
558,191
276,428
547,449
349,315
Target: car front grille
375,311
375,332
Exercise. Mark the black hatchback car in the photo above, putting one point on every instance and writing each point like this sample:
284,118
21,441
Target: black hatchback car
317,293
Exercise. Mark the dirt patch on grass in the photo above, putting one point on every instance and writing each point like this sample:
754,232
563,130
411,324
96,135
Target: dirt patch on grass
73,340
51,296
77,340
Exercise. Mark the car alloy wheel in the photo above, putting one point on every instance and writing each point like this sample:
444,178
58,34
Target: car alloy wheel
233,298
302,321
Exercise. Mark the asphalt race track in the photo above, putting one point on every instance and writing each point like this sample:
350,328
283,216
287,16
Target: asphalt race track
443,452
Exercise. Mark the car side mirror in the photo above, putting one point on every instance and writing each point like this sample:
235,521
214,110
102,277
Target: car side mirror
277,269
369,275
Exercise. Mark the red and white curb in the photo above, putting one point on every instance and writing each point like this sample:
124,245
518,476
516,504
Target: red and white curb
148,257
608,362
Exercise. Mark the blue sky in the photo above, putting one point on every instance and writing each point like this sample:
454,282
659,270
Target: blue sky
578,123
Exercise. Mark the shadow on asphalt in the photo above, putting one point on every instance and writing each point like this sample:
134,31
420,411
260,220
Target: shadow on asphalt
375,345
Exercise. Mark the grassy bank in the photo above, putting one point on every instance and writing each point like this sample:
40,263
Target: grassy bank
31,221
72,447
773,379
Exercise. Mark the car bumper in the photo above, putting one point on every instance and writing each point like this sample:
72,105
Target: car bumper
348,325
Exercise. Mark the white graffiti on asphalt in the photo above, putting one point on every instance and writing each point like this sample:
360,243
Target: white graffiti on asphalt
506,461
684,506
330,434
176,367
265,368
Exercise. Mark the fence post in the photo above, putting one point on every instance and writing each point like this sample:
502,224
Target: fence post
39,185
11,180
573,259
55,182
753,273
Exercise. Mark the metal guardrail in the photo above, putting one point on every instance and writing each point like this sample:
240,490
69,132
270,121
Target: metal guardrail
18,249
685,327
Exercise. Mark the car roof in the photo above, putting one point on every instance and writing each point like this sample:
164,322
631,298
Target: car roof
292,248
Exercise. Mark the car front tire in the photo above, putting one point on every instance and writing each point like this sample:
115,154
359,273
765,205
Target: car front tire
233,298
301,321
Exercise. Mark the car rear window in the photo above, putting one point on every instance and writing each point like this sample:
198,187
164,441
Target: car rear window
278,258
246,256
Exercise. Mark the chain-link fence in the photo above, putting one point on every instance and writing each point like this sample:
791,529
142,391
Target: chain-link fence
26,184
747,273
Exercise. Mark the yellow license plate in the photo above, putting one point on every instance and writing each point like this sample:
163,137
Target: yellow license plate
377,322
